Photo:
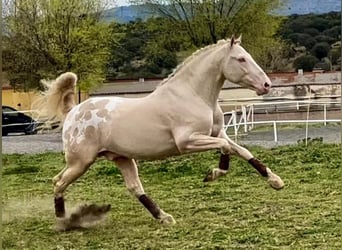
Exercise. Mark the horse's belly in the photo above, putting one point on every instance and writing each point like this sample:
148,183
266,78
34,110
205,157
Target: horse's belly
142,144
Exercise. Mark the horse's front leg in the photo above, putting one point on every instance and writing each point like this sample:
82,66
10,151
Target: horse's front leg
199,142
274,180
222,169
129,171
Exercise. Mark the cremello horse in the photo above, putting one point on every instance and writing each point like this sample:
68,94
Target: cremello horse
181,116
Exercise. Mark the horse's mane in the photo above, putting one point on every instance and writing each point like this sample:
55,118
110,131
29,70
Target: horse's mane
188,59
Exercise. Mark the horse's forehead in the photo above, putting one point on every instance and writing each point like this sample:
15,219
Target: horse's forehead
239,50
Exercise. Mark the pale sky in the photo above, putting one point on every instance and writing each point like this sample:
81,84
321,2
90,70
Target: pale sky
122,2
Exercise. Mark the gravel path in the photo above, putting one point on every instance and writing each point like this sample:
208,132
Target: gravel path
32,144
53,142
330,134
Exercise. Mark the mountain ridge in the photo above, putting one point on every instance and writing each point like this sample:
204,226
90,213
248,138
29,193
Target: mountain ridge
124,14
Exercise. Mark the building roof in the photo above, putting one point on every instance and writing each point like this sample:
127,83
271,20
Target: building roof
144,86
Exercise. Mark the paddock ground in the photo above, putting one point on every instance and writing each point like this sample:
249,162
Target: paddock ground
238,211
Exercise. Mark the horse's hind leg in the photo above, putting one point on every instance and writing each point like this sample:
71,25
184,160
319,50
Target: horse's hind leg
129,171
73,170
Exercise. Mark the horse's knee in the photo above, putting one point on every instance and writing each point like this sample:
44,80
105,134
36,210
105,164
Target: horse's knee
226,148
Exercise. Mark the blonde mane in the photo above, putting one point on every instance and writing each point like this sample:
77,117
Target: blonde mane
192,56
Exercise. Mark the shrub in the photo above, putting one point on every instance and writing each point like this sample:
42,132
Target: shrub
334,32
320,50
303,39
311,31
323,38
306,62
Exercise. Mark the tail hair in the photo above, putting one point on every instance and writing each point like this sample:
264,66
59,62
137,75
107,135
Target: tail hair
57,99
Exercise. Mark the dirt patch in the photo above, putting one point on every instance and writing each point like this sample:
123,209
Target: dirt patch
26,207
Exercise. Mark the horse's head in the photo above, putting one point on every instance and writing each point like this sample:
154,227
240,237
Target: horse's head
239,67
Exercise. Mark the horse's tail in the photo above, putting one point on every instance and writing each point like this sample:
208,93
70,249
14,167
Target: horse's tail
58,98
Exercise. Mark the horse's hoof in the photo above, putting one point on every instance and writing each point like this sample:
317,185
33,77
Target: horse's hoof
214,174
274,180
167,219
209,176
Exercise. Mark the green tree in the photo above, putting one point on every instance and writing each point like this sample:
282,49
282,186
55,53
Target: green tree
306,63
335,55
143,49
207,21
302,39
46,37
321,50
311,31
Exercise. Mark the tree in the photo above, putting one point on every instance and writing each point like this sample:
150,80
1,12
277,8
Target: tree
275,56
334,32
142,49
335,55
306,63
302,39
205,22
323,38
46,37
321,50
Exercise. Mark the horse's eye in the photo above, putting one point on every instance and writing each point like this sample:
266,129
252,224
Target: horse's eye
241,59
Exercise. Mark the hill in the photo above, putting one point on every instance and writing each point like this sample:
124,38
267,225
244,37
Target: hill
124,14
302,7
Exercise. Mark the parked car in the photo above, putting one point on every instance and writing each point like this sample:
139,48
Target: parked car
14,121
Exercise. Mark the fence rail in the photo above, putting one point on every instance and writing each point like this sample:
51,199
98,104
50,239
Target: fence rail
245,116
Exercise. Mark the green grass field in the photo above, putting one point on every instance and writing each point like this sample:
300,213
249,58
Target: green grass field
239,211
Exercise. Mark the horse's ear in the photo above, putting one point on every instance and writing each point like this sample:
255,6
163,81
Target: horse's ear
232,41
238,40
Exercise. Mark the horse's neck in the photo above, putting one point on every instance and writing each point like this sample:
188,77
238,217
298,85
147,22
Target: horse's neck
202,75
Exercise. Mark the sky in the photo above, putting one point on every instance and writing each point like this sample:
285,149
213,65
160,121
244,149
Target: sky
122,2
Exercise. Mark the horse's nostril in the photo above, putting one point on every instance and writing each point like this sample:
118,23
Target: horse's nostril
266,85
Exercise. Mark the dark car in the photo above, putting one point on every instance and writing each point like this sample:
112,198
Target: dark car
14,121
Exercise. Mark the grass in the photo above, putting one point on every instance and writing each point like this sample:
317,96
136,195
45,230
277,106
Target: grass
239,211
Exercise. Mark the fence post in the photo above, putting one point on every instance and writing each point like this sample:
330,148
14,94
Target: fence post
234,123
325,114
252,125
275,131
244,117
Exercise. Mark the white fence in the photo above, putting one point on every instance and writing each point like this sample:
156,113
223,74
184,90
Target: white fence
245,117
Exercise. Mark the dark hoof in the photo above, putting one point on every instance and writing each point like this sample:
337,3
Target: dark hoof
209,176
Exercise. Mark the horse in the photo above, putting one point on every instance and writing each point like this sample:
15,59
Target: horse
180,116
